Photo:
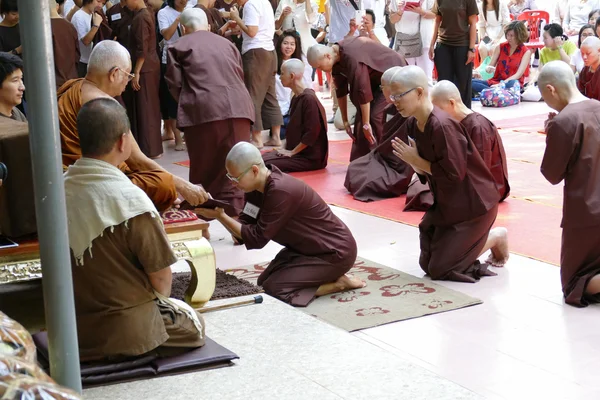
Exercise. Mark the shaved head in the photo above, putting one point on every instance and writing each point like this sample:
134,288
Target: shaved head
559,75
194,19
445,91
316,52
107,55
592,42
409,77
293,66
386,78
242,156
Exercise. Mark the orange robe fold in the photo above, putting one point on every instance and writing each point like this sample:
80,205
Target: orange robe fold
157,184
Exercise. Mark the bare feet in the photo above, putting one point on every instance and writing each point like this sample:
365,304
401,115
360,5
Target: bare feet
156,157
345,282
273,142
180,146
259,145
500,253
166,137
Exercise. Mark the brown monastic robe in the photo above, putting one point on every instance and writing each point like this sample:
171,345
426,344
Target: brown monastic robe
308,125
104,31
319,247
358,72
66,50
119,20
572,154
157,184
589,83
206,78
488,143
144,112
215,19
380,174
455,229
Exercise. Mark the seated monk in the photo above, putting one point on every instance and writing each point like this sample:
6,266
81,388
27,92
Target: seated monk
380,174
573,156
589,81
457,229
11,86
306,146
120,253
108,74
356,65
482,131
319,249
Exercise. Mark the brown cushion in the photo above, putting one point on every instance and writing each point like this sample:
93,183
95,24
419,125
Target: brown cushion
17,209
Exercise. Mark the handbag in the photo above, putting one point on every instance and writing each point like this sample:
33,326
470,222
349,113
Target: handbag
409,45
501,96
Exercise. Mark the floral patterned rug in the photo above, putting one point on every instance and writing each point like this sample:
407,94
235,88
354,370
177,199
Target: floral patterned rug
389,296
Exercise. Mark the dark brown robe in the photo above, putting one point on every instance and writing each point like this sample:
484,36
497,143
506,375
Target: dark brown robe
215,19
572,154
380,174
104,31
144,112
206,78
10,38
66,50
119,20
319,247
455,229
589,83
308,125
358,73
488,143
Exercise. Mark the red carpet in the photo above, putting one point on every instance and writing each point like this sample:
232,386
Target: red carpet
532,213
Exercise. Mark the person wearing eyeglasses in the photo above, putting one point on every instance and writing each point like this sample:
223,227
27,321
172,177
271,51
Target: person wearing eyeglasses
380,174
457,229
205,75
109,72
356,65
482,131
65,43
319,249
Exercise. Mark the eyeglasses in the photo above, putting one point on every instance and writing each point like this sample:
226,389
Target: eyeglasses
129,76
237,179
397,97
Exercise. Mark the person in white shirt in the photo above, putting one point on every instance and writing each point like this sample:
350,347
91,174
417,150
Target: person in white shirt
168,24
260,66
86,22
578,12
298,15
493,17
411,20
378,8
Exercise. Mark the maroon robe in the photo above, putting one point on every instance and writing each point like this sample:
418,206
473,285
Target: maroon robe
119,20
454,230
104,32
380,174
572,154
358,72
65,43
214,17
589,83
308,125
488,142
144,111
206,78
319,247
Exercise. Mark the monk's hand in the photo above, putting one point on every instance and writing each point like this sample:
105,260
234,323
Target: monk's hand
210,213
406,152
348,130
135,82
284,153
368,132
551,116
194,194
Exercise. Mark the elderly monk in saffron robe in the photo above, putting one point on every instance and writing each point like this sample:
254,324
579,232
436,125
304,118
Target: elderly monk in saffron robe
108,74
356,65
380,174
306,146
573,155
589,80
122,286
319,249
206,77
482,131
457,229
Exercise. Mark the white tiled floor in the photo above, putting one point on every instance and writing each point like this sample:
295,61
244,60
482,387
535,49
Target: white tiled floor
521,343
